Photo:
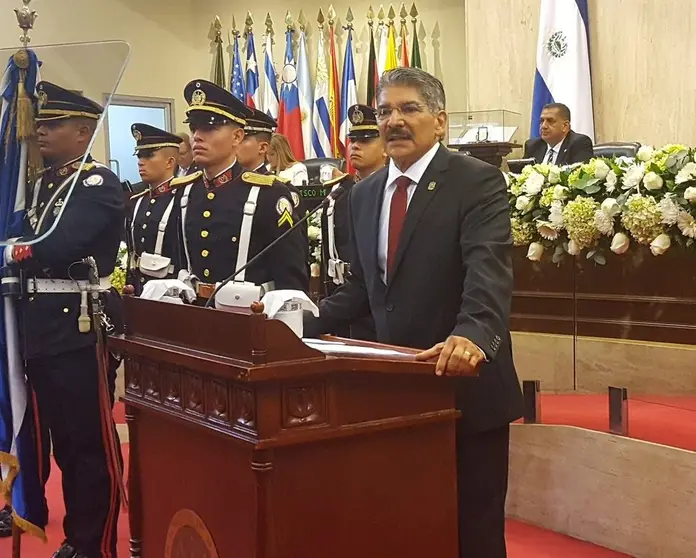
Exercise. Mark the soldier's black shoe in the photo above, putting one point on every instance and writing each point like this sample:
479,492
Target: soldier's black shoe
67,551
6,522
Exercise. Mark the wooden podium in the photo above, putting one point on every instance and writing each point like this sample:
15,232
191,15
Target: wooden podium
247,443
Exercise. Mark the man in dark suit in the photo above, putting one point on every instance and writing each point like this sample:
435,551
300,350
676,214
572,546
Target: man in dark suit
558,144
431,240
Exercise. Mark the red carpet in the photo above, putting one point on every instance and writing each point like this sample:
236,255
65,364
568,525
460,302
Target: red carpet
524,541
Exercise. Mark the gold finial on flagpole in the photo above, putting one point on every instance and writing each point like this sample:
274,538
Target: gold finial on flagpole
248,25
332,15
302,20
380,14
289,25
403,14
217,24
349,21
320,19
25,20
414,14
235,31
391,15
269,24
370,17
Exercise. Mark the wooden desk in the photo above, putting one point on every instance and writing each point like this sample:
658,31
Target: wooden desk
491,152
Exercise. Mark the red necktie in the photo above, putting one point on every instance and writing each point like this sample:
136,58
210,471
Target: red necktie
397,216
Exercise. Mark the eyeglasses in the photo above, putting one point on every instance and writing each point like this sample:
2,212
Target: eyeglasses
407,110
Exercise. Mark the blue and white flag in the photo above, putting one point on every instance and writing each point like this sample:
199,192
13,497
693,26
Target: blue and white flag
563,63
349,94
270,90
304,88
321,123
237,87
20,447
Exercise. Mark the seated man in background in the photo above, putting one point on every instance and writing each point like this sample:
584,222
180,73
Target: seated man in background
558,144
186,164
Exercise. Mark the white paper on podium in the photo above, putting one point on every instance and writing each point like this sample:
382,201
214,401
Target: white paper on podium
330,347
495,134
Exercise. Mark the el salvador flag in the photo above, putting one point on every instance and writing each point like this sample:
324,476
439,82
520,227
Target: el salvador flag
252,73
563,63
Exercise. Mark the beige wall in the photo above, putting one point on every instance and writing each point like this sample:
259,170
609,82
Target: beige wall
644,71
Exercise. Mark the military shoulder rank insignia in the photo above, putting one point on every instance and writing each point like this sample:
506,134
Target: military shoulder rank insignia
259,179
184,180
336,180
93,180
295,198
84,168
284,209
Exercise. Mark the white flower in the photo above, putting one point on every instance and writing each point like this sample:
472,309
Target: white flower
620,243
645,153
669,210
556,214
653,181
554,174
611,181
534,183
604,222
660,245
574,248
601,169
507,179
536,250
523,204
690,194
313,232
547,230
315,269
686,224
633,176
687,173
560,192
611,207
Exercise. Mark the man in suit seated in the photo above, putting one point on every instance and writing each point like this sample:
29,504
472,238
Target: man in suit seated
558,144
431,248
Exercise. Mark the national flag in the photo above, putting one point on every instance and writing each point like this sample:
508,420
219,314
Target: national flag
252,73
382,46
304,89
237,85
563,63
20,454
270,90
289,113
219,78
415,49
349,94
321,122
391,62
334,97
372,75
403,58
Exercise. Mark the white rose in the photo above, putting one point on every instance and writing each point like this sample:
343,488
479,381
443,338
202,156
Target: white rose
660,245
523,203
313,232
574,248
620,243
611,207
534,183
560,192
554,175
315,270
653,181
633,176
645,153
601,169
690,194
536,250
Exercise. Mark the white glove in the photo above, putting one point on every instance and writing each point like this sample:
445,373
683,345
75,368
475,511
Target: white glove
168,290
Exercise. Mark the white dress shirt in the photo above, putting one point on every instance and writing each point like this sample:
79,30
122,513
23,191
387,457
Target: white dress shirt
182,172
296,174
415,172
556,150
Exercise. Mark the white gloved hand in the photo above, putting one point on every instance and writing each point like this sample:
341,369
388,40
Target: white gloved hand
168,290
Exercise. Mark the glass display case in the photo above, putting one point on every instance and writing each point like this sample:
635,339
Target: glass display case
483,126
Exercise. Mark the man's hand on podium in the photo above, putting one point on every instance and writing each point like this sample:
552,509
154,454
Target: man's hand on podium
455,357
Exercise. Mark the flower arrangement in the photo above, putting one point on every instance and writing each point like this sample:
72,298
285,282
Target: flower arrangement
118,277
606,205
314,236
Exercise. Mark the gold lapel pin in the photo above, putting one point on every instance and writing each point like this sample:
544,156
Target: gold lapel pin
431,186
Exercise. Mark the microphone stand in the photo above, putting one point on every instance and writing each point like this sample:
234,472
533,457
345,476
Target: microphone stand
336,193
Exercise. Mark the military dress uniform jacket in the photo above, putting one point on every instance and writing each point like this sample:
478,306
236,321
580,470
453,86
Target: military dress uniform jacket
341,230
152,209
89,226
212,213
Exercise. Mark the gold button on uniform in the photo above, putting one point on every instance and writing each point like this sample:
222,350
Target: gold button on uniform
234,239
148,213
66,310
206,272
153,200
204,234
206,214
50,185
211,195
205,253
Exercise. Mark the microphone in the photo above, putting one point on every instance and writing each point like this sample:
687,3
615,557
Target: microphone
335,194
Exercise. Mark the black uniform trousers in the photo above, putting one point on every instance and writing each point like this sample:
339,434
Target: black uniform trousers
482,480
66,387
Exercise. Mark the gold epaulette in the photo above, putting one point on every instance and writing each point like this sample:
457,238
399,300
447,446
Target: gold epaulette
335,181
84,168
140,194
184,180
283,180
259,179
